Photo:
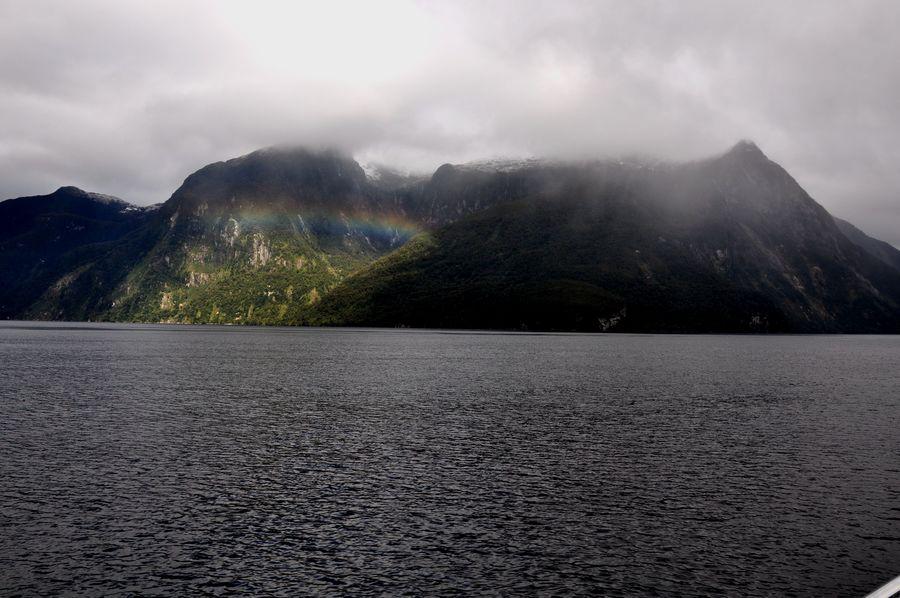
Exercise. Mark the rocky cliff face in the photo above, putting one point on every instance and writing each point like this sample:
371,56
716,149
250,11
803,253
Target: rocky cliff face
293,236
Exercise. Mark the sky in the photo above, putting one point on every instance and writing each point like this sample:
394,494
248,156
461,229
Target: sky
128,98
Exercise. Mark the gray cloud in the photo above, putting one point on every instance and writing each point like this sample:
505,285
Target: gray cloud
129,98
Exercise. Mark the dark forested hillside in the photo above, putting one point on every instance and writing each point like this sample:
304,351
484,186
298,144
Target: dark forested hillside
47,241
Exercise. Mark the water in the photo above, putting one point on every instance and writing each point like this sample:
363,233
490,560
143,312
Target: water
170,460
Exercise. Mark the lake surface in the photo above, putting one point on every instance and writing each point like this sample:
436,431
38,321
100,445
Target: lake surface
184,460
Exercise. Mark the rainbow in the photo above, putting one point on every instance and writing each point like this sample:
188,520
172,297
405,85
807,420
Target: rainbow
382,225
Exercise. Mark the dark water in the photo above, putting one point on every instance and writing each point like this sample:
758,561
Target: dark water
137,459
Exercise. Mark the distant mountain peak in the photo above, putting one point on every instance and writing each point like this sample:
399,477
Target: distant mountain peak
746,148
73,191
443,172
70,190
298,150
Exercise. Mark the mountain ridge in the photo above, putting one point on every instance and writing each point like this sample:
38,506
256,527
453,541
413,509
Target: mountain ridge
299,236
706,216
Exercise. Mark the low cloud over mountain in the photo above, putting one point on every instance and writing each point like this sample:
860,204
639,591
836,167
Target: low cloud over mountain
129,99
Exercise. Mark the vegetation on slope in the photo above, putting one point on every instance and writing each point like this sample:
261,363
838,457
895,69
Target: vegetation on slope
537,265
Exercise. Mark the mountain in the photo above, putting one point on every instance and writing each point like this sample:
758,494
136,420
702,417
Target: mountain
46,240
727,244
886,252
256,239
295,236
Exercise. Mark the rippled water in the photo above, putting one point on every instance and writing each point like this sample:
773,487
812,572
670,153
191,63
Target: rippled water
183,460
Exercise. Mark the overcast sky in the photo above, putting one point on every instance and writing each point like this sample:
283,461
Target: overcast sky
128,98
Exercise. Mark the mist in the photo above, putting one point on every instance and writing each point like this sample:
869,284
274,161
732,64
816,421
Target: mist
130,98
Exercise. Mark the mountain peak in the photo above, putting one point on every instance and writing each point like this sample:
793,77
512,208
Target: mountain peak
70,190
747,148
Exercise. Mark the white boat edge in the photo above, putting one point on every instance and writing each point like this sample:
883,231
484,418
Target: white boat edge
887,590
